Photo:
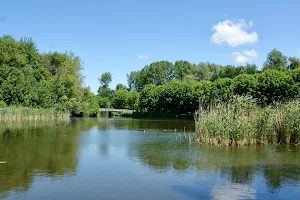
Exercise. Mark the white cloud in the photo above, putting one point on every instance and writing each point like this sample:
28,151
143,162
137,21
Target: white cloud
245,57
233,33
251,53
143,57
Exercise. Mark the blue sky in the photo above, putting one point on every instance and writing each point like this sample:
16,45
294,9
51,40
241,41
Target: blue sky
121,36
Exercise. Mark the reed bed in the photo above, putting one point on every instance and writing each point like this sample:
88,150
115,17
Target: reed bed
26,113
242,122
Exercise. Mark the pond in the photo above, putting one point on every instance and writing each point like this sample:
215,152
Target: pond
137,159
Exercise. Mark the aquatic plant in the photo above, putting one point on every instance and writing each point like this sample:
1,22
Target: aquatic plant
26,113
241,121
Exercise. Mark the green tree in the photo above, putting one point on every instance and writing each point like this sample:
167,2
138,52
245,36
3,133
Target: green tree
275,60
104,102
67,78
251,69
120,99
134,81
222,89
120,87
104,90
181,69
90,103
157,73
244,84
133,100
207,71
149,97
294,63
273,85
28,78
202,71
105,79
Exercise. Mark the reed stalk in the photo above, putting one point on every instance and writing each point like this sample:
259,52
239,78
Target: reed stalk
25,113
242,122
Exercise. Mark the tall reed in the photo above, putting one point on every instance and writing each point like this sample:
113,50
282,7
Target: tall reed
242,122
26,113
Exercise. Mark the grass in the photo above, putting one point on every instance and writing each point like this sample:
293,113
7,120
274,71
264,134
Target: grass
25,113
242,122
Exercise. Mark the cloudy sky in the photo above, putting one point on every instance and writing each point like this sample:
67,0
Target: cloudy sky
120,36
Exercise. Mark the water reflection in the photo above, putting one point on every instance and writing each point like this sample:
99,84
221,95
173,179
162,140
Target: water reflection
239,166
233,192
123,157
142,124
46,148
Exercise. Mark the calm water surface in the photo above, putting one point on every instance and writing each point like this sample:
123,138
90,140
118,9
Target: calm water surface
137,159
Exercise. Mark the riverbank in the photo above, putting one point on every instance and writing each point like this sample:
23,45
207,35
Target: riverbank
26,113
242,122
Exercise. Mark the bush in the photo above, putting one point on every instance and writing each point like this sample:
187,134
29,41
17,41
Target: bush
104,102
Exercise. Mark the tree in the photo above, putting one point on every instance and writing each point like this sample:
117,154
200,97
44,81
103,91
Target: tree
149,98
120,86
65,69
29,78
244,84
229,71
134,81
104,102
120,99
90,103
133,100
250,69
294,63
181,69
276,60
274,86
105,79
157,73
207,71
104,90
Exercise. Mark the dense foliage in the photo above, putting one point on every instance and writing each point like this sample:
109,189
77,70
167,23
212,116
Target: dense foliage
29,78
184,96
180,87
52,80
119,98
160,73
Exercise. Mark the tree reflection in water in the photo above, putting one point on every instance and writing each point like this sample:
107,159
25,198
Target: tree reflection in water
37,148
241,165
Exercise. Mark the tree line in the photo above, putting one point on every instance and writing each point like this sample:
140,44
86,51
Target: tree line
179,88
29,78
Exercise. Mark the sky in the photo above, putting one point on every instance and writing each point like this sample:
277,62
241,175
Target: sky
119,36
